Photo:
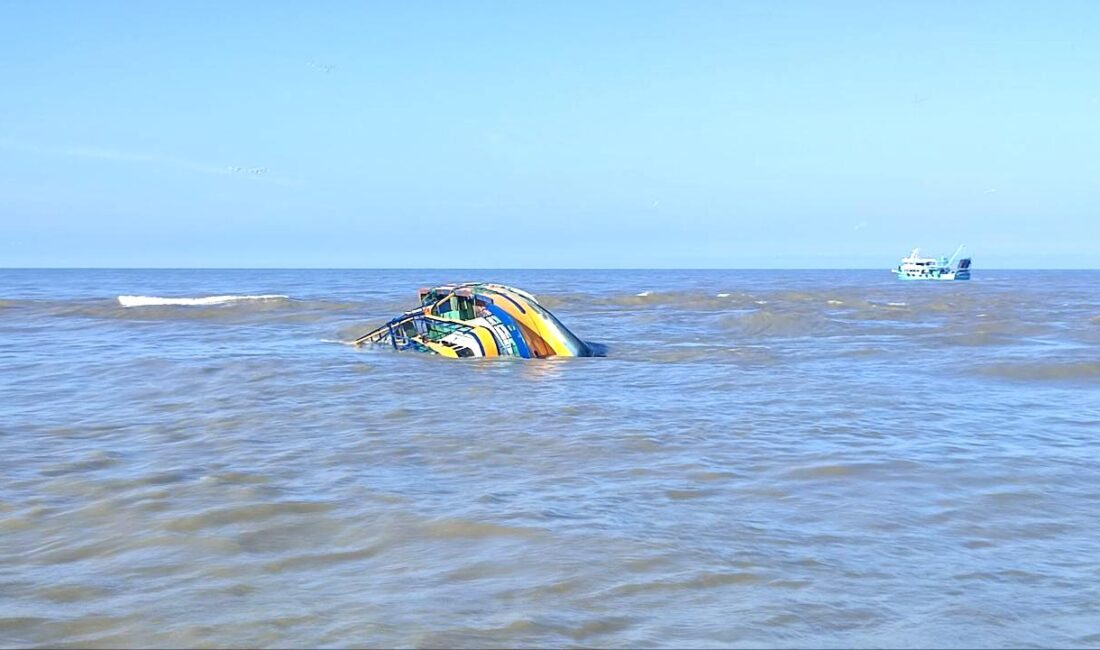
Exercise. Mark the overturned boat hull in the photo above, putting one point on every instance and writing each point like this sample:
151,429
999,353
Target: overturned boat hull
480,320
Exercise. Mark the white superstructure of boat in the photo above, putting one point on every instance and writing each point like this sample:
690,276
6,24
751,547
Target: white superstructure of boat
915,267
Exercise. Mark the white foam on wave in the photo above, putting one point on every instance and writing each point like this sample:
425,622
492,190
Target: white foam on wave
151,301
836,302
723,295
644,294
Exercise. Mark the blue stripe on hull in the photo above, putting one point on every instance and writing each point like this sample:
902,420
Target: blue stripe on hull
513,329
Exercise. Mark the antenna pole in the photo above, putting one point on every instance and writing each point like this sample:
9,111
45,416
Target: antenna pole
957,250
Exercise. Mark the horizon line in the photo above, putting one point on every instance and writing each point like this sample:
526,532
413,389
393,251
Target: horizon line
501,268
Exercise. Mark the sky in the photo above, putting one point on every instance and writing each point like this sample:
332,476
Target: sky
689,134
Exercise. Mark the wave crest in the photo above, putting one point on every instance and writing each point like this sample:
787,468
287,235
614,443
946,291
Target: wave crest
157,301
668,299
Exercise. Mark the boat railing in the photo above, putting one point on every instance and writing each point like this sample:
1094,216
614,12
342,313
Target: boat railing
388,331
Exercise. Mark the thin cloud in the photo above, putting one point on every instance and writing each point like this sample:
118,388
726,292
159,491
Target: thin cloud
323,67
160,160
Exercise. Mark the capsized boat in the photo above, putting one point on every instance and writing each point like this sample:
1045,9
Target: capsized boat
915,267
477,319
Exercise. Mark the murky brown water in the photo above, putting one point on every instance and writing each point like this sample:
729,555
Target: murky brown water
765,459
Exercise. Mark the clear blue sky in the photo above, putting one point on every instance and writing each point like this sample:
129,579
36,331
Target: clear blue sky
548,134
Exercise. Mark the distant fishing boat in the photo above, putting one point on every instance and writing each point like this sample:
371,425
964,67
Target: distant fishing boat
915,267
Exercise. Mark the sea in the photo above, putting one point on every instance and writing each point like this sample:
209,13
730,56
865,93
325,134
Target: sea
198,458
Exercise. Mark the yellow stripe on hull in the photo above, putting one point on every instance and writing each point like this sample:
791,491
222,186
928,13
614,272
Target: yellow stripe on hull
439,348
533,321
488,342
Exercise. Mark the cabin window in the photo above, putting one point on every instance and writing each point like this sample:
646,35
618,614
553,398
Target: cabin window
429,298
437,330
448,308
456,308
408,329
465,307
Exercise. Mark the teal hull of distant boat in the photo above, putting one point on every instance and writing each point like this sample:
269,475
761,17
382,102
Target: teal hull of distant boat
946,277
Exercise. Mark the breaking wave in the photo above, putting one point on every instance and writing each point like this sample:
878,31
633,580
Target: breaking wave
721,299
157,301
705,300
229,308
